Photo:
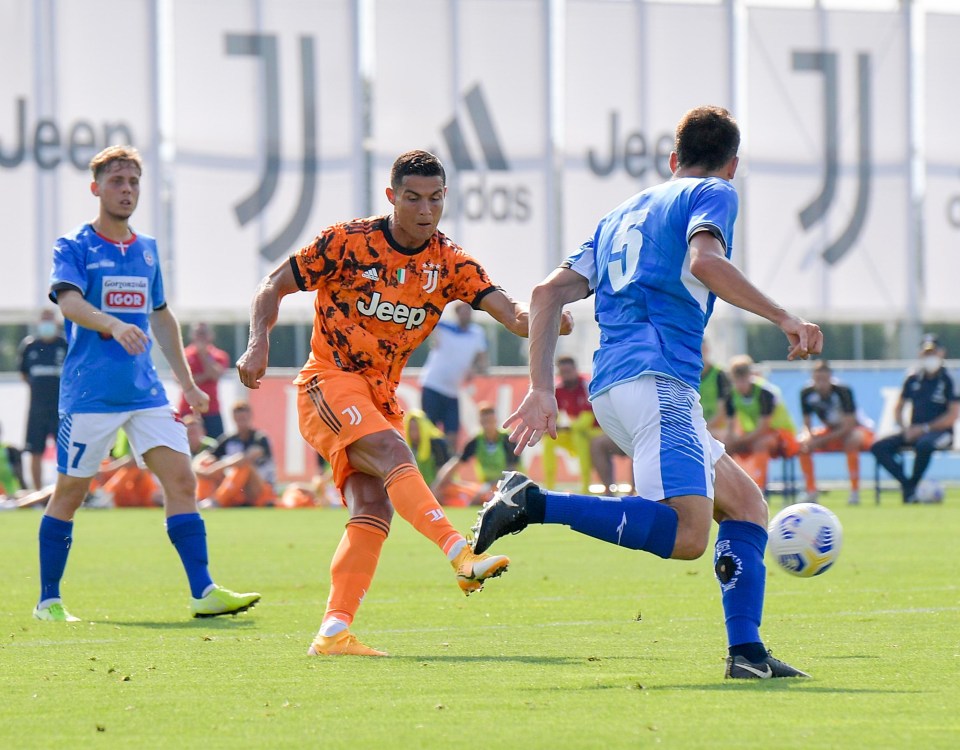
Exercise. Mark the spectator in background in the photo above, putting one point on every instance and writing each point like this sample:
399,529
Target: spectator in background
843,429
759,426
207,364
41,363
459,351
243,471
714,392
494,453
935,406
427,442
122,483
11,470
581,436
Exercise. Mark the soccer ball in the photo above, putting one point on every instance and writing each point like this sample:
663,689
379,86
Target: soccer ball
805,539
929,491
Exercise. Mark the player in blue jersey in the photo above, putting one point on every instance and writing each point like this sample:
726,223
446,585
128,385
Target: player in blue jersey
106,280
655,264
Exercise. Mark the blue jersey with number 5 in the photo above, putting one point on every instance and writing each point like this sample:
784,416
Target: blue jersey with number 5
122,279
651,310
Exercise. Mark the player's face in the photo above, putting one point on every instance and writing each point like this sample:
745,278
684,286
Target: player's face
417,208
568,374
743,384
821,381
118,189
243,419
488,422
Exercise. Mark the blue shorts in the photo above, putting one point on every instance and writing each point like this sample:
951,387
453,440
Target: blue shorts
659,422
442,410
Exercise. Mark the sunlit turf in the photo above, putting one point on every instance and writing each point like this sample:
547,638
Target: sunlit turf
579,645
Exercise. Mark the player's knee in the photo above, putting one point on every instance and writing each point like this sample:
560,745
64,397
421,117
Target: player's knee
689,547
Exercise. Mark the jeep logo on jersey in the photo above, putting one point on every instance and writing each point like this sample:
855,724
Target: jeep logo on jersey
124,294
409,317
486,198
264,46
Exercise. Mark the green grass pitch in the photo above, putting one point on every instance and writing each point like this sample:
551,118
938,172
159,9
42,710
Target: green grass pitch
579,645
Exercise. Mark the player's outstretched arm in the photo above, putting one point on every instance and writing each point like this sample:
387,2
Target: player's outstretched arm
264,311
709,264
514,315
537,413
75,308
166,330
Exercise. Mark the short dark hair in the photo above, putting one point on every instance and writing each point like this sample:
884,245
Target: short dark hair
566,359
416,162
822,365
707,137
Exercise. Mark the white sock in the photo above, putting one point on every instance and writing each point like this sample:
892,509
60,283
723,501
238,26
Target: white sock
331,627
456,549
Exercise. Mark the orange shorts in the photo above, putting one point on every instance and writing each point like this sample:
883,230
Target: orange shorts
836,445
336,410
787,445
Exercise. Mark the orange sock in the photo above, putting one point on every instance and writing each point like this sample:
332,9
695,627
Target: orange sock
853,466
761,462
353,566
413,500
806,466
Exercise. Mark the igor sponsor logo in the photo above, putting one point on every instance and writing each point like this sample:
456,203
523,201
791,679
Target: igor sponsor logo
124,294
409,317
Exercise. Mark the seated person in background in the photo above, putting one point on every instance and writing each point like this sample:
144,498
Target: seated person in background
122,483
842,428
759,425
494,454
431,450
317,493
935,406
714,392
427,442
11,470
581,436
243,472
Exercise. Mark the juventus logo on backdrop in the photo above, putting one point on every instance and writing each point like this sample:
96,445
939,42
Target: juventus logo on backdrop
826,64
264,46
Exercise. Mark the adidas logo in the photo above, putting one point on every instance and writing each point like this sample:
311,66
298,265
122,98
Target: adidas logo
371,273
479,114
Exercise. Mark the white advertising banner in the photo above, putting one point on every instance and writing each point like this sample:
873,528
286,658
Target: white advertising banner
825,205
628,82
64,97
266,117
941,257
476,95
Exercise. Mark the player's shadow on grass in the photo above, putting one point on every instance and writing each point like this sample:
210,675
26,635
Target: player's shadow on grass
781,685
452,658
205,623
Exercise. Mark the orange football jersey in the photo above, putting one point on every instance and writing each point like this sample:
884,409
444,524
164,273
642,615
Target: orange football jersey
377,301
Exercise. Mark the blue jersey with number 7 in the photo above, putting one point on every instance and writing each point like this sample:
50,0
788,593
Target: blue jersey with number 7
122,279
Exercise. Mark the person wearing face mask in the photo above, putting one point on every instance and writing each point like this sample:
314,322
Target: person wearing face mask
41,362
935,406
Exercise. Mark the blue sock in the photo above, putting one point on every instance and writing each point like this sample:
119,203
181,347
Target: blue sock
55,540
738,563
189,536
631,522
